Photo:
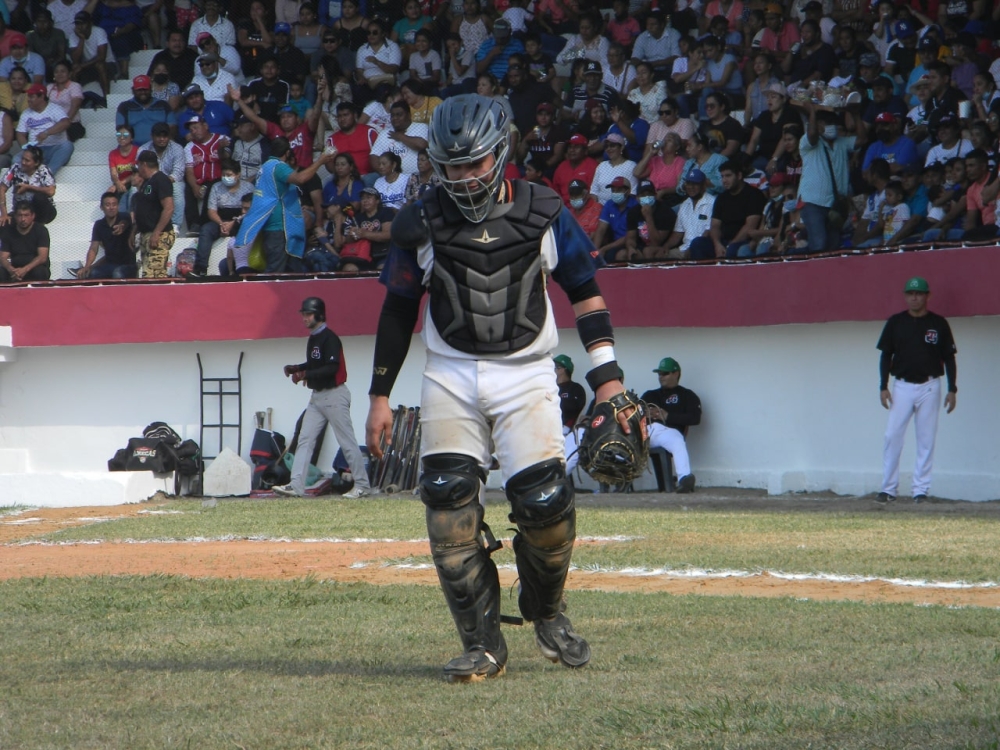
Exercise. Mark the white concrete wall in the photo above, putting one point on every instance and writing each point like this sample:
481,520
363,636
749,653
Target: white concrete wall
786,408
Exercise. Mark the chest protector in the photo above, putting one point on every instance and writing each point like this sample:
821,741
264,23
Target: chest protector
487,289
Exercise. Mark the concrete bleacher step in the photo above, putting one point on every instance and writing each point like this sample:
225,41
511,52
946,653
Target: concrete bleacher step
86,155
83,174
87,193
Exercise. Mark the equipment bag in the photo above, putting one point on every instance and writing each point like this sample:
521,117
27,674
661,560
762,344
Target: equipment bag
148,454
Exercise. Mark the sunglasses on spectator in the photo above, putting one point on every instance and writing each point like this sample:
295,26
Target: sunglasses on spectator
666,112
122,133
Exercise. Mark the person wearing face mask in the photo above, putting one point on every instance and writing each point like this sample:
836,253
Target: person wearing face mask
584,207
612,229
142,111
825,156
20,57
647,229
224,205
214,81
897,149
578,166
276,213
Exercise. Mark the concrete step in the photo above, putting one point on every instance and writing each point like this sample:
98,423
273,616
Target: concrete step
86,154
87,175
89,193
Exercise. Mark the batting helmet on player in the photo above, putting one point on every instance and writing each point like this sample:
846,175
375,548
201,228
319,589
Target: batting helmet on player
314,305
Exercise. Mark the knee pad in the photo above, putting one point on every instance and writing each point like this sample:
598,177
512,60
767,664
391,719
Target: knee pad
540,495
449,481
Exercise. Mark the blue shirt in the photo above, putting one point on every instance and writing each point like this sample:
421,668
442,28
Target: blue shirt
903,151
276,222
816,187
918,202
616,216
641,129
218,115
142,119
499,65
352,194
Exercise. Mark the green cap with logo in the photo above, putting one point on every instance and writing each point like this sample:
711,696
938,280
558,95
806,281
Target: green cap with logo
565,362
916,284
667,364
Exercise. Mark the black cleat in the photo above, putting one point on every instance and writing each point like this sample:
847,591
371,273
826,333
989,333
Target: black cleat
884,498
559,643
476,665
920,498
685,484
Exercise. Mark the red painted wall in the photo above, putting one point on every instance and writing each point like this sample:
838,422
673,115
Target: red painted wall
964,282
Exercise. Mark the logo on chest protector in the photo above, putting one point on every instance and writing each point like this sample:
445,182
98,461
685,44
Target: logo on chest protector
315,353
931,337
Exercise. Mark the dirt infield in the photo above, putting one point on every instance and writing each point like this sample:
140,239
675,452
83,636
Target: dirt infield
375,562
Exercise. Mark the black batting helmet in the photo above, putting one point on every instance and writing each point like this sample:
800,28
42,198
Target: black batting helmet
314,305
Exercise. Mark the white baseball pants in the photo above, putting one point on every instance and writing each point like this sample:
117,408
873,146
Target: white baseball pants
672,441
333,407
923,403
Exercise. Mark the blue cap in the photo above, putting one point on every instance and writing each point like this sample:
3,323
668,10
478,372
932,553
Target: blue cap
286,108
904,29
282,28
695,175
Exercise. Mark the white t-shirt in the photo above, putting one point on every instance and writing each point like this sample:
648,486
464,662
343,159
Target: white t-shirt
378,118
90,44
941,154
606,172
223,31
63,15
393,193
894,218
693,220
389,53
32,123
409,157
216,90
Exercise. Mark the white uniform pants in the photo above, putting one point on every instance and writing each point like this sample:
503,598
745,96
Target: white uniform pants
463,402
672,441
333,407
923,403
570,446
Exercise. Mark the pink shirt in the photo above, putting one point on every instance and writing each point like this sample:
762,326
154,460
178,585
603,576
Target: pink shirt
666,176
780,42
974,201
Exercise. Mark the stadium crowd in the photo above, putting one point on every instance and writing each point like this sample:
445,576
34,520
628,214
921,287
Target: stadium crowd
672,129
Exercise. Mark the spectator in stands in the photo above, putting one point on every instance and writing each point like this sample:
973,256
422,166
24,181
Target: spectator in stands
6,138
619,73
113,233
218,115
916,197
142,111
658,45
91,53
121,164
944,96
422,104
593,125
980,198
577,166
224,205
756,94
377,62
883,100
19,57
229,59
720,131
945,126
545,142
45,124
178,57
214,23
626,122
691,236
764,239
669,121
825,154
163,89
738,210
268,92
673,409
898,150
376,112
249,148
494,52
647,229
152,207
616,165
404,31
765,146
202,169
28,181
848,53
472,26
353,138
46,40
646,92
663,164
5,33
612,229
963,68
67,94
593,88
812,60
901,56
391,184
525,95
586,209
422,180
707,162
790,159
237,261
299,133
459,69
868,232
405,138
722,74
213,81
344,189
253,34
121,21
24,248
287,11
362,240
950,226
588,44
779,34
292,62
276,213
171,162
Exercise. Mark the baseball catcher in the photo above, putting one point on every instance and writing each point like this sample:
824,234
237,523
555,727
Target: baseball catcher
483,249
607,452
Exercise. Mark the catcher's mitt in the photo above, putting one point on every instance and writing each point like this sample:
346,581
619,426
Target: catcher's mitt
606,452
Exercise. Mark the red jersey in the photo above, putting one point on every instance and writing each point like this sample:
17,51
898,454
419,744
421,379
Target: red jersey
123,166
565,173
358,144
204,159
589,216
301,140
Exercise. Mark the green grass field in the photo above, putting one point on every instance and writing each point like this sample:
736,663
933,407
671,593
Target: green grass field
170,662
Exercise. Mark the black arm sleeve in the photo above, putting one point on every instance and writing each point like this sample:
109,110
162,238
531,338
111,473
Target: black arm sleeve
587,290
884,365
392,341
951,372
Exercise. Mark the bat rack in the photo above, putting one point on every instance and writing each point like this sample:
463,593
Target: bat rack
220,393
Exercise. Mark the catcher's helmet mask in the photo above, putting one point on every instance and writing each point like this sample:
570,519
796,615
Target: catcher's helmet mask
465,130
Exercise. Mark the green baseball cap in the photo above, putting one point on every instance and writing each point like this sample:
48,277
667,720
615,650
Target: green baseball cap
668,364
565,362
916,284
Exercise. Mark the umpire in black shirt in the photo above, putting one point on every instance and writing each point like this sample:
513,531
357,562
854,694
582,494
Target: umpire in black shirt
917,349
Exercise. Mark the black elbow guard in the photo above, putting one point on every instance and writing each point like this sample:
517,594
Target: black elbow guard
409,230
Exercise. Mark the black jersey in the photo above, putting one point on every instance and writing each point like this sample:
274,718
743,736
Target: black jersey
325,367
572,399
681,405
918,348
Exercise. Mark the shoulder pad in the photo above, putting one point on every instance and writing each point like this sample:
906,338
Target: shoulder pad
409,226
